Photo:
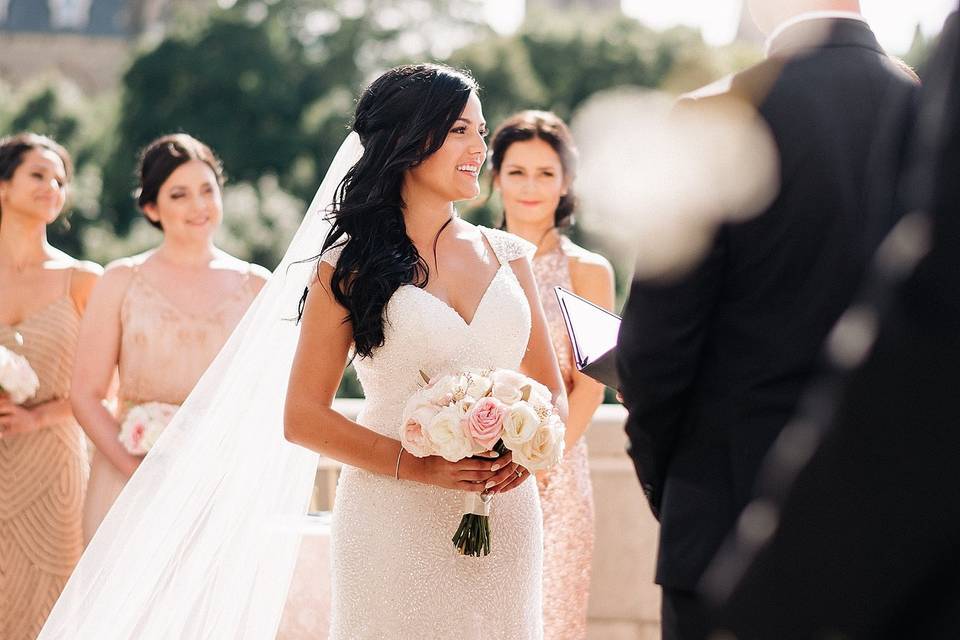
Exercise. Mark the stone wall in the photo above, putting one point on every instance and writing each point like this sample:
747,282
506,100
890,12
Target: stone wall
624,602
93,63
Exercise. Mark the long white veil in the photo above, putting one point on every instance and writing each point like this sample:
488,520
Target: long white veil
199,545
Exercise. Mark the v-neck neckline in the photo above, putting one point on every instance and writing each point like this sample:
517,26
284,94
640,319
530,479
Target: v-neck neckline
204,315
489,245
37,312
479,306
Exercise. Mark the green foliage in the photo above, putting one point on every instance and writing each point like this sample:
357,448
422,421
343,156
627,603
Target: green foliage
920,49
45,112
237,86
261,222
268,85
54,107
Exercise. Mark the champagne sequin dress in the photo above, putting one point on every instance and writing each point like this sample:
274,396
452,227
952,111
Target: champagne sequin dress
566,494
43,478
163,352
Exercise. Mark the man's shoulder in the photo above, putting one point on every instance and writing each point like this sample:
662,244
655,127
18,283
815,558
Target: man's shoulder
750,85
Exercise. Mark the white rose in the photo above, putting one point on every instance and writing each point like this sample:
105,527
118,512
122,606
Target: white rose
508,386
447,435
544,449
144,424
417,401
441,391
520,425
413,431
464,405
17,378
539,394
478,386
417,414
150,438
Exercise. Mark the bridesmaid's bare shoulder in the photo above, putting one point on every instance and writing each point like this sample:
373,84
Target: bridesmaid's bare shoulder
589,263
112,286
83,278
592,275
258,275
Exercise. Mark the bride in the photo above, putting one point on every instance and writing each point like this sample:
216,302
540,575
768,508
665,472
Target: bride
409,287
198,544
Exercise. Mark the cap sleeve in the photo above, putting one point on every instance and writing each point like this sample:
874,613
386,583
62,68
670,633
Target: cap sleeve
507,246
331,255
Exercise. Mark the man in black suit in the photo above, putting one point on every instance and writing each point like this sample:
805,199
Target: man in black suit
712,363
868,542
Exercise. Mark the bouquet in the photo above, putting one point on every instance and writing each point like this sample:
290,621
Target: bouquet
18,380
474,411
143,424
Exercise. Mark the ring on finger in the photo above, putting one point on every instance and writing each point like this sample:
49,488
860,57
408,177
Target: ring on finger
519,472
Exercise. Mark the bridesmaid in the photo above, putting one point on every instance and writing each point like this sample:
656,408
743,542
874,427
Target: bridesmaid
43,453
534,161
158,318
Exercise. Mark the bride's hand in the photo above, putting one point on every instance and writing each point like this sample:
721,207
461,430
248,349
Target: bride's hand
507,477
469,474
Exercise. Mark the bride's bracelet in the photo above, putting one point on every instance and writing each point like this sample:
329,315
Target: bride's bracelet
396,472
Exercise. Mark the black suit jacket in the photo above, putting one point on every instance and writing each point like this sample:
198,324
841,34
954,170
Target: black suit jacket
868,544
712,364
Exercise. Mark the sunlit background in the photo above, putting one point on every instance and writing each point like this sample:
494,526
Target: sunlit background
895,22
270,85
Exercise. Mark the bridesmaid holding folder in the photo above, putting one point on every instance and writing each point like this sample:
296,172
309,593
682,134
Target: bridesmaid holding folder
534,162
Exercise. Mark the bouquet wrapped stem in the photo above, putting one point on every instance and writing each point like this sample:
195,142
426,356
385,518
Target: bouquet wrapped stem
473,535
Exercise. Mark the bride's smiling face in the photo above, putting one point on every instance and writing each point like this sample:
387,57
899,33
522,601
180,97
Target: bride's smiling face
453,171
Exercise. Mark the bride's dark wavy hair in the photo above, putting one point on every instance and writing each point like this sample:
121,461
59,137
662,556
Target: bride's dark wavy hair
402,118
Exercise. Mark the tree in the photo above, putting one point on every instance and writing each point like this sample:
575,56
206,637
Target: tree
236,85
920,48
268,85
54,107
558,63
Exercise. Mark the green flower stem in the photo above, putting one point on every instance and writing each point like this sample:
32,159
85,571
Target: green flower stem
473,535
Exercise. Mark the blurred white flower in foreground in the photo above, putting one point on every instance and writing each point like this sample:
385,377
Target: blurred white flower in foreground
658,176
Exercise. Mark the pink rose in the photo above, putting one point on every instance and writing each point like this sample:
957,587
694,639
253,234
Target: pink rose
137,435
485,421
143,424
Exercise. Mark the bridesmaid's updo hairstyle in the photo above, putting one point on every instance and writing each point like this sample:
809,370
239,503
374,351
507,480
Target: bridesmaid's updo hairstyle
161,158
546,126
402,118
14,148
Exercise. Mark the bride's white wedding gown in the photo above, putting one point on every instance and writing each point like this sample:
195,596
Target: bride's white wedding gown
395,571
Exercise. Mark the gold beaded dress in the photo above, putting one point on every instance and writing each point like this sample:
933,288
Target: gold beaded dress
43,478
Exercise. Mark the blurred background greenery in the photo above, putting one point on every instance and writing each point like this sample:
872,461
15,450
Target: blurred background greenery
270,85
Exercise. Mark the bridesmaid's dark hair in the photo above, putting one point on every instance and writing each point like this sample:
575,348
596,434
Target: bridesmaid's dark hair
546,126
161,157
13,148
402,118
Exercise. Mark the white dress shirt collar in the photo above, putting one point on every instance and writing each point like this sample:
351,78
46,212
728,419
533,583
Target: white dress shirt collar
810,15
